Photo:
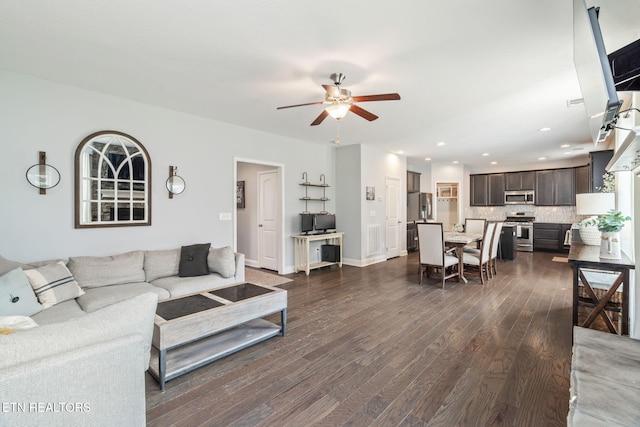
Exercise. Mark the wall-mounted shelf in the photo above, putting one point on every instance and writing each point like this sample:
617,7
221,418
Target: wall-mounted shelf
314,198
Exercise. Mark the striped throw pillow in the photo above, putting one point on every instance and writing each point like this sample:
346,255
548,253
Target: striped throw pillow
53,284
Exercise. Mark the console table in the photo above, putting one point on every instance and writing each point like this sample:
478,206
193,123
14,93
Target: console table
601,279
301,250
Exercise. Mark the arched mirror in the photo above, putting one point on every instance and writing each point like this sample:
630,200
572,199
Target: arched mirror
113,181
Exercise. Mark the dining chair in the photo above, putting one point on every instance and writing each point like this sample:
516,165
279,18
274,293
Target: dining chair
432,252
495,242
483,259
476,226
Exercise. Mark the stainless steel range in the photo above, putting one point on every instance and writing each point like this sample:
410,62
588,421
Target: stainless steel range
523,221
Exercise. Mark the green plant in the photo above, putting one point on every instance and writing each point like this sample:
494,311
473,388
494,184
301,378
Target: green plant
612,221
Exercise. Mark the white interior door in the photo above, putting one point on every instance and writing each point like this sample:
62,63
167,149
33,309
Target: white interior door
392,189
268,219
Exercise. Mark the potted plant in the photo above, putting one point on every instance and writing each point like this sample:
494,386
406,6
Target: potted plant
609,226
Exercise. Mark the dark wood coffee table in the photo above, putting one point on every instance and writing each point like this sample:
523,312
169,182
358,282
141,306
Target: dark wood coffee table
196,329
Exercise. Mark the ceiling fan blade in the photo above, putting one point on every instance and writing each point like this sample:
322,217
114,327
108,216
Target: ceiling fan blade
381,97
332,90
320,118
363,113
300,105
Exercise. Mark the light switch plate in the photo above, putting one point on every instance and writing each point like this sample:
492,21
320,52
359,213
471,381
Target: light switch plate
225,216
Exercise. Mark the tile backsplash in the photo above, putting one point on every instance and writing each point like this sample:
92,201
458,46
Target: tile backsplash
555,214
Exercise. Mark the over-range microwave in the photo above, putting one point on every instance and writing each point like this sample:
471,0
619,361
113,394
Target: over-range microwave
521,197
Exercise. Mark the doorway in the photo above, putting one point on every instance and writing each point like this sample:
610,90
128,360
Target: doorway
447,209
259,225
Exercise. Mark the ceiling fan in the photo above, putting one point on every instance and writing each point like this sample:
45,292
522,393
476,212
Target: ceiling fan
339,101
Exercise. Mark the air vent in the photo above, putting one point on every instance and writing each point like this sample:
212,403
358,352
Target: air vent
575,102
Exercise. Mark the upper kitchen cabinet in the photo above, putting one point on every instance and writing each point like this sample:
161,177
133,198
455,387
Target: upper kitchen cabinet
479,193
487,189
515,181
599,160
583,179
413,182
495,185
556,187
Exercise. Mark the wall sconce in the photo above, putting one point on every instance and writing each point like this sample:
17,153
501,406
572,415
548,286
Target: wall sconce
175,183
42,175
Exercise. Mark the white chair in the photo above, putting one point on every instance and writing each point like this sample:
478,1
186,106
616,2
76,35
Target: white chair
476,226
495,242
482,260
432,252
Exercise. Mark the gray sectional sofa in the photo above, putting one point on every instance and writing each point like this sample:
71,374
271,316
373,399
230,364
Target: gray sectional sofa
108,280
84,363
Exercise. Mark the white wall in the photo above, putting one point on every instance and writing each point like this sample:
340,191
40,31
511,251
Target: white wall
358,167
38,115
348,204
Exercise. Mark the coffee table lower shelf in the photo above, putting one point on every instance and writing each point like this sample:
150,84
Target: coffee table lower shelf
187,357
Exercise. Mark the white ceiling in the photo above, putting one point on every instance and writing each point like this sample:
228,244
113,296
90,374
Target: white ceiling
481,76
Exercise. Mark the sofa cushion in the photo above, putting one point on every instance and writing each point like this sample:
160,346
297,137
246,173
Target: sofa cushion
97,298
222,261
193,260
53,284
16,295
131,317
159,264
93,272
6,265
59,313
178,286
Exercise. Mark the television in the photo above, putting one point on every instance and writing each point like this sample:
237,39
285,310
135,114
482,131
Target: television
594,72
306,223
324,222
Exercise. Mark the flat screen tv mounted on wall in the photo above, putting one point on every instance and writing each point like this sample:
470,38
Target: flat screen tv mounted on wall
594,72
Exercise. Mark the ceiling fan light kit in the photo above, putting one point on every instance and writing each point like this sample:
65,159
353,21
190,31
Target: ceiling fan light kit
341,102
338,110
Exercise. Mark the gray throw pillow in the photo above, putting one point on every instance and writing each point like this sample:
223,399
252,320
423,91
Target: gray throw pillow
16,295
222,261
193,260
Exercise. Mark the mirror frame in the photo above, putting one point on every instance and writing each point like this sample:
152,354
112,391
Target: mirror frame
79,177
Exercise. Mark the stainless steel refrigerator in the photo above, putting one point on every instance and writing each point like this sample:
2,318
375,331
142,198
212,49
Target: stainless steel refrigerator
419,206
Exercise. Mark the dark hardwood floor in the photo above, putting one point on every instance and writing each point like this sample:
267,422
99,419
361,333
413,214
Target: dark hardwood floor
371,347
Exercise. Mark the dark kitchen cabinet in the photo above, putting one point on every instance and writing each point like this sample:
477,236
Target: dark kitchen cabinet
583,179
549,236
556,187
495,185
599,161
515,181
413,182
479,196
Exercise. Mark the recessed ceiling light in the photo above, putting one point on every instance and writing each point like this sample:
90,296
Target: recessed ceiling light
485,154
542,158
494,163
455,161
400,152
545,129
565,146
427,158
440,144
567,152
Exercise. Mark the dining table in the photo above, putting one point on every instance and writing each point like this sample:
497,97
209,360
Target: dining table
459,241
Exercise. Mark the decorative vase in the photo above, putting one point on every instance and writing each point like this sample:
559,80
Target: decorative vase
590,235
610,245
